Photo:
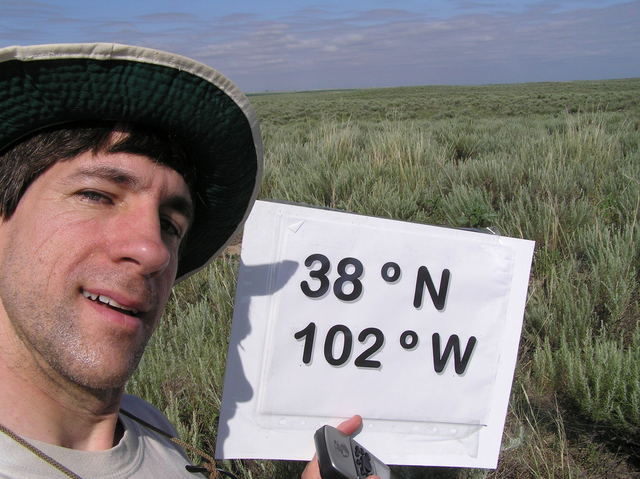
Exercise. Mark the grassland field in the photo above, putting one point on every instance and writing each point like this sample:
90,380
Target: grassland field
558,163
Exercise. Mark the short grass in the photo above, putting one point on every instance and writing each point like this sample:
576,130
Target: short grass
558,163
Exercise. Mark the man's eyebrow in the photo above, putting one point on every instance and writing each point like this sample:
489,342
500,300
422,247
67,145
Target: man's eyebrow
122,177
109,173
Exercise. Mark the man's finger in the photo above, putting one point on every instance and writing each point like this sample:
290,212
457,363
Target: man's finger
351,425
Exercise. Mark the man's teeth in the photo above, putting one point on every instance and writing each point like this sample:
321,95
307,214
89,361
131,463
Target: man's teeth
108,301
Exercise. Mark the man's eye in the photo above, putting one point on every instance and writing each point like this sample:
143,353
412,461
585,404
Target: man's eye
94,196
169,227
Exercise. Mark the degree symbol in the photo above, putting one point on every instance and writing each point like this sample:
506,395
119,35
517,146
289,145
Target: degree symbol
409,340
390,272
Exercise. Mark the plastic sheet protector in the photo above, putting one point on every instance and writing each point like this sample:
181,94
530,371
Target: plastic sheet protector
414,327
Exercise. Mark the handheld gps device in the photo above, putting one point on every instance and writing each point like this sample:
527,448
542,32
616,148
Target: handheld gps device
341,457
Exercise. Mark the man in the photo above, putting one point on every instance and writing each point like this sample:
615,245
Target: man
122,171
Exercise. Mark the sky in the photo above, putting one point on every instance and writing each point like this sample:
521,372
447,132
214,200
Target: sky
289,45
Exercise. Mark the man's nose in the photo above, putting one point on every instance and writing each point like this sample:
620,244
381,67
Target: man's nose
138,240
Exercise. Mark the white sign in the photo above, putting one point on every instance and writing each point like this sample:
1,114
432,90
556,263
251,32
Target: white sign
413,327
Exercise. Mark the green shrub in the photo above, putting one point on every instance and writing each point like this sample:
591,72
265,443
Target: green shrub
556,163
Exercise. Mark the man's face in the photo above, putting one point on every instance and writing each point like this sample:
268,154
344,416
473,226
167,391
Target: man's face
87,262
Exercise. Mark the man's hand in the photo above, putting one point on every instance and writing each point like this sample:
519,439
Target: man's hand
312,471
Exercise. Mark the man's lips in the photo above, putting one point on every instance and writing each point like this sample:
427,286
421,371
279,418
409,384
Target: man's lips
112,303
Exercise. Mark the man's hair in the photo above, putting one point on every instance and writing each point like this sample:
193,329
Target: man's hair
23,162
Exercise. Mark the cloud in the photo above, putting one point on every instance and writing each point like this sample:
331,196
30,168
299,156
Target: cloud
26,8
167,17
484,42
21,21
350,50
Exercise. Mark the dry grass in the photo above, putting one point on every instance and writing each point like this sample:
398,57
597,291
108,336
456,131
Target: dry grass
557,163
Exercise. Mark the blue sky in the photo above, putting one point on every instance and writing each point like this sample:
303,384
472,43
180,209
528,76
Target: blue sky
306,44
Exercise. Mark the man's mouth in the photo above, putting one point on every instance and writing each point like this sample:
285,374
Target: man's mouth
111,303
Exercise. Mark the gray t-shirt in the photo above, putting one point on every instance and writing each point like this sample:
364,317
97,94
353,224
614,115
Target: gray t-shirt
141,453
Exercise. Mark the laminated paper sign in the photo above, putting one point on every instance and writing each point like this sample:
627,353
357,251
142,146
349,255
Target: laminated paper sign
413,327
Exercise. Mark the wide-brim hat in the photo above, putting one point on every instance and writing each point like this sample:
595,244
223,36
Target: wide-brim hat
47,85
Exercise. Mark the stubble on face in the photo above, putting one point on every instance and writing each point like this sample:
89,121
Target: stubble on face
59,246
55,337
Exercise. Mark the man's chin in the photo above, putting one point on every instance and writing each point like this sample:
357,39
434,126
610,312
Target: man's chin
99,378
97,384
